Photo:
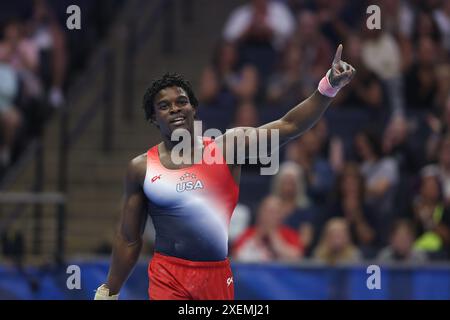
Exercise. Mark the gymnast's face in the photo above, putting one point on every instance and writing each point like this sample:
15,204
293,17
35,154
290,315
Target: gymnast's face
173,110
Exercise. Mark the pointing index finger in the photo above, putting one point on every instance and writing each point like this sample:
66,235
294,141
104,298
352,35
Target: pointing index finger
337,56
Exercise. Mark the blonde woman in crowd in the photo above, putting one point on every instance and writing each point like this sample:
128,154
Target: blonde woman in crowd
335,245
290,186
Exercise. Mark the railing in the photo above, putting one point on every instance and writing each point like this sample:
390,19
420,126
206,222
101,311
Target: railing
104,61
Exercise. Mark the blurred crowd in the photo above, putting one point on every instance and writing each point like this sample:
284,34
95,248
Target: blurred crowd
37,52
371,180
347,189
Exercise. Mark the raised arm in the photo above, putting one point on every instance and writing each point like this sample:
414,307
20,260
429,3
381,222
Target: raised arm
304,115
300,118
128,239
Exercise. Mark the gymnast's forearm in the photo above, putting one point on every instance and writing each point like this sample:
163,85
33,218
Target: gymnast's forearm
124,258
306,114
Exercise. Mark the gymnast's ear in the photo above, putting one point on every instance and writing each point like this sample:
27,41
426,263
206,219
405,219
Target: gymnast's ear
195,113
152,120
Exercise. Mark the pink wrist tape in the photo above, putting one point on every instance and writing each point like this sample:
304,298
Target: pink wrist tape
325,87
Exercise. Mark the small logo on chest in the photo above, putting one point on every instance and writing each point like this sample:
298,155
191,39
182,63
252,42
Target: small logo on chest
189,182
156,178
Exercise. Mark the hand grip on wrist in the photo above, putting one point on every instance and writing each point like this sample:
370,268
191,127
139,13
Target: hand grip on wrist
325,87
102,293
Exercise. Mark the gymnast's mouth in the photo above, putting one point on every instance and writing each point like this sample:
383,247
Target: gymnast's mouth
180,120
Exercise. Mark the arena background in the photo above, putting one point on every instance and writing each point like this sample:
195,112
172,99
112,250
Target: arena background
368,185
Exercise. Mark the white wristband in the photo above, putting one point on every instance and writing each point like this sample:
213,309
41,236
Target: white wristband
102,293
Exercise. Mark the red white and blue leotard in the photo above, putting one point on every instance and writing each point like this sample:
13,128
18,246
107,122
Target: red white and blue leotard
191,207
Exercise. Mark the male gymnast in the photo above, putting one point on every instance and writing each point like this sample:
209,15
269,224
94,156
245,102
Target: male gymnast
191,203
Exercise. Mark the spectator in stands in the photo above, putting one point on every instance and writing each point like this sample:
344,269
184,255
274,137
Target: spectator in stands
330,146
287,85
367,90
431,216
444,167
24,58
398,17
10,118
408,152
439,127
348,202
381,54
426,27
335,245
261,29
264,20
381,176
47,35
209,87
224,82
246,116
335,153
441,16
290,186
400,248
321,129
314,48
398,20
268,240
443,84
337,17
297,5
397,145
420,80
318,173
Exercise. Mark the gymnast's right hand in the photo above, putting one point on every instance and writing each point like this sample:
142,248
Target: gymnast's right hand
102,293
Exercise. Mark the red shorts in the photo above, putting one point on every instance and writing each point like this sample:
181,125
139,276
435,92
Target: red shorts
179,279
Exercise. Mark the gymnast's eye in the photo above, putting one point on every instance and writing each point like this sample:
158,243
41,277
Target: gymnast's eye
163,105
182,101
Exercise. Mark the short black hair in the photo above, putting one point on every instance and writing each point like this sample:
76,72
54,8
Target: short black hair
168,80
